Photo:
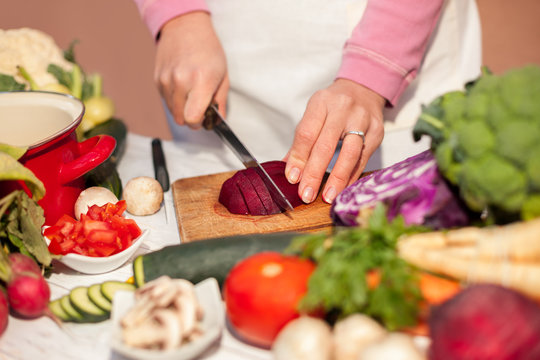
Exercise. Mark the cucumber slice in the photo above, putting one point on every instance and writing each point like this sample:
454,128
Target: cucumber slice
108,288
58,311
96,296
66,305
82,303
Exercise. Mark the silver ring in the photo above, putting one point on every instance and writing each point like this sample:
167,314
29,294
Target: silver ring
354,132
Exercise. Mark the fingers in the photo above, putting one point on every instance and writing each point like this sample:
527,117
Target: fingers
344,106
190,68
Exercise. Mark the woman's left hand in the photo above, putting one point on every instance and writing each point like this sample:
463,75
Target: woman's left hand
332,112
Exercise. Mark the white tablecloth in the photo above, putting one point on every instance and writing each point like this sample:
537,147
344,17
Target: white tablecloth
43,339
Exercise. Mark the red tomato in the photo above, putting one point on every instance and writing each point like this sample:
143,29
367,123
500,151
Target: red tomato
102,231
262,293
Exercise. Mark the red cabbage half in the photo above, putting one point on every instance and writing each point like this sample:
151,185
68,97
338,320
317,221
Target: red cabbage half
413,188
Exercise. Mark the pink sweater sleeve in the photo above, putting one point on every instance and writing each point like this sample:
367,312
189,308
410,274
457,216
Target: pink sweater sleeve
155,13
388,44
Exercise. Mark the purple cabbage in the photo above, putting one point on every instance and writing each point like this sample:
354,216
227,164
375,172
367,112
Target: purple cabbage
413,188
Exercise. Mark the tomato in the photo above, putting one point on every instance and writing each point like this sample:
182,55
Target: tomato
102,231
262,292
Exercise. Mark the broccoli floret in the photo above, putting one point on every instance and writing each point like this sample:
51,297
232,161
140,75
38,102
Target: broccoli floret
532,167
520,89
444,155
516,139
531,207
475,138
493,181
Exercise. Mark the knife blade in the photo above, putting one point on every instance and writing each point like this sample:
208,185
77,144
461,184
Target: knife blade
214,121
160,167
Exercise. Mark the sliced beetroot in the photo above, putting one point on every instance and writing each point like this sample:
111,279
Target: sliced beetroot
231,197
255,197
253,202
274,167
262,191
289,190
486,321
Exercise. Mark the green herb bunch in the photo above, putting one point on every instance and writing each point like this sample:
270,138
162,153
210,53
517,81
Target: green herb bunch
339,285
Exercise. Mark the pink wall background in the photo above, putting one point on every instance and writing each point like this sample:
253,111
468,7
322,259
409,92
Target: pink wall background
114,42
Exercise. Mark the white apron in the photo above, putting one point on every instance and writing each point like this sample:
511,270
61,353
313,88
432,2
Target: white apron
280,52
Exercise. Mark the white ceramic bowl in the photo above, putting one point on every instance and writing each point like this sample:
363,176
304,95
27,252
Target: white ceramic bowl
99,265
212,325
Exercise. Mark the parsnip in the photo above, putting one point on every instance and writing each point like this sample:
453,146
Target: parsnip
508,255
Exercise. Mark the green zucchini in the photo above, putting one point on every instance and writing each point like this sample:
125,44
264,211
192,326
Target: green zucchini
199,260
109,288
97,297
58,311
67,306
82,303
105,175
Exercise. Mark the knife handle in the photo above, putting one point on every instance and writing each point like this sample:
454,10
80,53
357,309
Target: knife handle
211,117
160,167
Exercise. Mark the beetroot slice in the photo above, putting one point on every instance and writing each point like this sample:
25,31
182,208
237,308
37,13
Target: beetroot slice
262,191
253,202
243,193
276,170
486,321
231,197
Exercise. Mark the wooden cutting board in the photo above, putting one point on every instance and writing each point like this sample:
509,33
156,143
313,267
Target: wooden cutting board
201,216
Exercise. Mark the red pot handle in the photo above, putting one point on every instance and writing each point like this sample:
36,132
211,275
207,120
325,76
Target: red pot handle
93,152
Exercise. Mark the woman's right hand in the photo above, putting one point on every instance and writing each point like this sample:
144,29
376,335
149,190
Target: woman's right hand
191,69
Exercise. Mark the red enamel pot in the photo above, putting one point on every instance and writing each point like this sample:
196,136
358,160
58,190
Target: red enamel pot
45,122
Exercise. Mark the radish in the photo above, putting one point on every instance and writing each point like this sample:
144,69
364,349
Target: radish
23,263
29,294
4,311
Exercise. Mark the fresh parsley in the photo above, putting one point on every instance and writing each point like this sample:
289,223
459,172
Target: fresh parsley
339,285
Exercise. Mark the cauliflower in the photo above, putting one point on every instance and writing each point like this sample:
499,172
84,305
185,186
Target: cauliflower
486,142
32,49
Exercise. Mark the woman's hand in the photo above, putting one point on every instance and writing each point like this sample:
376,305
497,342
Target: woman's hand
330,113
191,69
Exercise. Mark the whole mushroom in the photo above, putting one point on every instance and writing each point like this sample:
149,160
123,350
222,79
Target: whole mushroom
143,195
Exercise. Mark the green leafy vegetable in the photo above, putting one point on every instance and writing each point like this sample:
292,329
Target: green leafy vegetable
485,140
339,284
21,218
8,83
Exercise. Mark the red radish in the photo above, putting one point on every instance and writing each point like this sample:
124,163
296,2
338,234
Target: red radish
246,193
4,311
23,263
28,294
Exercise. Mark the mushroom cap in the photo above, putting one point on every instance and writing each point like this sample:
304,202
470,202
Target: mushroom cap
143,195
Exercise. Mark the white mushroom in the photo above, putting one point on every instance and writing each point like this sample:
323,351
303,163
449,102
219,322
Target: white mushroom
143,195
95,195
161,331
354,333
304,338
163,303
395,346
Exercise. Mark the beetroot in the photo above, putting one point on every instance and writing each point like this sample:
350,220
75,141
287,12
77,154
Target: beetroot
486,321
231,197
21,263
4,311
28,294
246,193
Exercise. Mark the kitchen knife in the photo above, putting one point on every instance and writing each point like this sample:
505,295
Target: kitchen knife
160,167
214,121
